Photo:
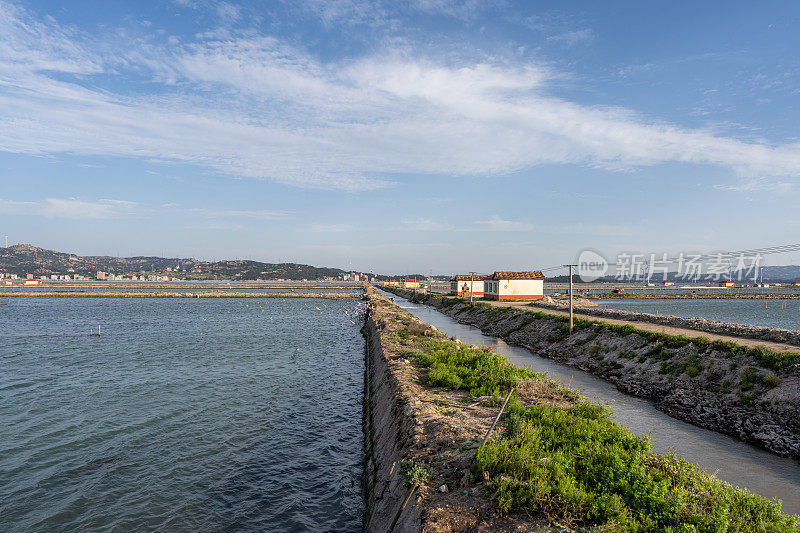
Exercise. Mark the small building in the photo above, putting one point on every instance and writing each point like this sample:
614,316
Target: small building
463,285
32,281
393,283
514,285
411,283
796,284
101,275
669,283
727,283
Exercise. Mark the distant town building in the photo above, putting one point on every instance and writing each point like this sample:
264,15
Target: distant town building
393,283
411,283
514,285
727,283
101,275
32,281
463,285
669,283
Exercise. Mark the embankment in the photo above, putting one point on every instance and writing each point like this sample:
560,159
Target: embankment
557,463
764,333
750,394
420,441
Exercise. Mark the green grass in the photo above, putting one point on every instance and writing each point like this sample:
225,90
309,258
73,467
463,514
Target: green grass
765,357
480,371
579,467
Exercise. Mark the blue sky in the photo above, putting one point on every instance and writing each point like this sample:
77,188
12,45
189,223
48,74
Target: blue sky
423,135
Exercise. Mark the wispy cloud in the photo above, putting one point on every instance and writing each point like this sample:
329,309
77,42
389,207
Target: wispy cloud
238,213
70,208
255,106
328,228
756,184
496,223
573,38
424,224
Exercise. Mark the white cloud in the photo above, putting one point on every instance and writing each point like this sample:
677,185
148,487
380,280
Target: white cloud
496,223
756,184
70,208
574,37
257,107
238,213
424,224
329,228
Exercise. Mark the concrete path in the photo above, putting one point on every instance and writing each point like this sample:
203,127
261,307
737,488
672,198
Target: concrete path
658,328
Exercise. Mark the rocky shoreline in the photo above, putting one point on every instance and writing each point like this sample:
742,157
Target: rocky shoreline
707,385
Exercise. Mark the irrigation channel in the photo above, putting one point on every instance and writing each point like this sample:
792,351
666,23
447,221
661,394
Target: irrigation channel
730,460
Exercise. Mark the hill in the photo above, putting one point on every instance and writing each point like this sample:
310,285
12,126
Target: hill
22,259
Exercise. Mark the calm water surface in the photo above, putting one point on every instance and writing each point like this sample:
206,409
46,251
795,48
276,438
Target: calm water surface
773,313
731,460
186,415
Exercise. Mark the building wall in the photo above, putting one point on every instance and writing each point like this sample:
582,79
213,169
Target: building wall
456,287
515,289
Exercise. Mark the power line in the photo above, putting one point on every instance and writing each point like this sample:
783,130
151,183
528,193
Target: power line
769,250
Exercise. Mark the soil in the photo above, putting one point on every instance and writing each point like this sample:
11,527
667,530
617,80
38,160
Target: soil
441,429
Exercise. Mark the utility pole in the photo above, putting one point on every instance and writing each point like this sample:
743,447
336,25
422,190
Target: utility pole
570,298
471,279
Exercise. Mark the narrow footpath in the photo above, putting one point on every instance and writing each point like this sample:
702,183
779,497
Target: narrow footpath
657,328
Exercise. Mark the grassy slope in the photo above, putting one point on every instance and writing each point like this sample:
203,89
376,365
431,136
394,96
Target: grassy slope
582,469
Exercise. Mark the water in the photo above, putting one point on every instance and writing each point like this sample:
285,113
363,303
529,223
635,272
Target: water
772,313
731,460
186,415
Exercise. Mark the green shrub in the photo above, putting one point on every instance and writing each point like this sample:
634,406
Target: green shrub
480,371
692,371
580,467
414,472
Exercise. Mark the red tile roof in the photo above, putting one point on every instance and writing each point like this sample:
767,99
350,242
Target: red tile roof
519,274
467,277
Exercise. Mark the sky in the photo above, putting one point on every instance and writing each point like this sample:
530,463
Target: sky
422,136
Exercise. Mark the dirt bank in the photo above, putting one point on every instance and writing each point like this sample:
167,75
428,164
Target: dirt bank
751,395
409,423
555,462
765,333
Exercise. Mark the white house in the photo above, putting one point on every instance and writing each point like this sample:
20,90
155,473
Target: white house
463,285
520,285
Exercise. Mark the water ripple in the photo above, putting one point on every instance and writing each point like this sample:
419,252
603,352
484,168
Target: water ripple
185,416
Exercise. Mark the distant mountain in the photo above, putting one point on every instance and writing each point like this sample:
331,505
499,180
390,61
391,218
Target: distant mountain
771,274
22,259
782,273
